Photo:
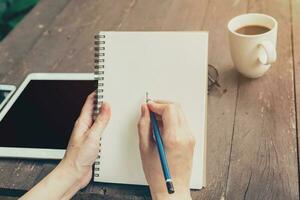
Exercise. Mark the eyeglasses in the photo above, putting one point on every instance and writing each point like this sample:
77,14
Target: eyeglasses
213,77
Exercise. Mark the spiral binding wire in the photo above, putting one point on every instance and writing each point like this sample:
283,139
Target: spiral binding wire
99,77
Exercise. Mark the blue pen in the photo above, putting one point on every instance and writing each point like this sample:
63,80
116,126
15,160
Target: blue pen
161,151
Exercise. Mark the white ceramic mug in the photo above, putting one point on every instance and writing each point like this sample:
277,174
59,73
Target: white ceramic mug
253,54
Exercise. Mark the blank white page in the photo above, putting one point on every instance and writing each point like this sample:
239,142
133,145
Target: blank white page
170,66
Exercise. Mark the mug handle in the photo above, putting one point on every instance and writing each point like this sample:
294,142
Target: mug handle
270,55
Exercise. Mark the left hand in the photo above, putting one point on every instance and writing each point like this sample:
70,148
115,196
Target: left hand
75,169
84,143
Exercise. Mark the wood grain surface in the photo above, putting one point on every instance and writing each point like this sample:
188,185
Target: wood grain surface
263,163
252,136
21,40
295,8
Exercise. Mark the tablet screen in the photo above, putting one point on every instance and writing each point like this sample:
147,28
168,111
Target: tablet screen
3,94
44,114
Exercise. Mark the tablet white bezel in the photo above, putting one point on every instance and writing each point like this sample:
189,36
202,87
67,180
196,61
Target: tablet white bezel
16,152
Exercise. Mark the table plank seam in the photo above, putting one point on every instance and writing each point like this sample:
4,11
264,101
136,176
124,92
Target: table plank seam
233,130
295,88
232,135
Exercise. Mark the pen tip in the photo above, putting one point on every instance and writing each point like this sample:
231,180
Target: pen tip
147,97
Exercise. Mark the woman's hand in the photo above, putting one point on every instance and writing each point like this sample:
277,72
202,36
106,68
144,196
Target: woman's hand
84,143
179,145
75,169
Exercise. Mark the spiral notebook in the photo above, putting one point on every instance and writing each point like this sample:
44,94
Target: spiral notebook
168,65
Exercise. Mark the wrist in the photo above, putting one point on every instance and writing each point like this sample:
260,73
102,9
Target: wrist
69,171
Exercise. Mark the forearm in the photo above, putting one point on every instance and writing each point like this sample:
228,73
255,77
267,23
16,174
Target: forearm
55,185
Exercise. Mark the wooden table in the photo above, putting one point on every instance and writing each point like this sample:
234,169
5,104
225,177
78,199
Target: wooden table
252,149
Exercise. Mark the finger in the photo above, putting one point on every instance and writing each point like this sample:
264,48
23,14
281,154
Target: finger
160,101
168,113
161,127
158,108
85,120
181,116
101,121
144,128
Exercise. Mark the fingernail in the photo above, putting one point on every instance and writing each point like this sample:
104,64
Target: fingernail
150,104
105,109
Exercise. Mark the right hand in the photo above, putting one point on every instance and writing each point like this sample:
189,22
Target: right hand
179,145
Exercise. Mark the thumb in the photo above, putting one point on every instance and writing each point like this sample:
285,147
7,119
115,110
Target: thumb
101,121
144,128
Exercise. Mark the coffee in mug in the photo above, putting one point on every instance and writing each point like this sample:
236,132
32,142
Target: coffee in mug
252,39
252,30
